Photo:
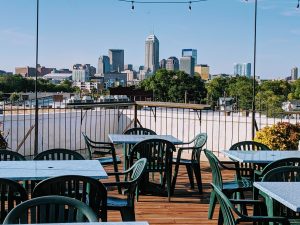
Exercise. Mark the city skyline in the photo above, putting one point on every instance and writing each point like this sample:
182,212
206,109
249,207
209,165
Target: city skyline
225,37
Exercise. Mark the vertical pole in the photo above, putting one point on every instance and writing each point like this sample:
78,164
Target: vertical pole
135,115
36,130
254,73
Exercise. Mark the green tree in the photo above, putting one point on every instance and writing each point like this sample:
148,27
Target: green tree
279,87
14,97
269,103
295,90
174,86
217,88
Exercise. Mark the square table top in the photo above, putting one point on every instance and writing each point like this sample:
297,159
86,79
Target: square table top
39,170
287,193
135,138
261,156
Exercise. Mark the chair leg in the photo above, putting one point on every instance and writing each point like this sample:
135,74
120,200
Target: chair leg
212,204
190,174
174,179
197,172
127,214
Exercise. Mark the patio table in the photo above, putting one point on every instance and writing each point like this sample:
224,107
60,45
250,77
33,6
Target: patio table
39,170
260,157
287,193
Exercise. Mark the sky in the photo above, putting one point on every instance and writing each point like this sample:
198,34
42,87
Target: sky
79,31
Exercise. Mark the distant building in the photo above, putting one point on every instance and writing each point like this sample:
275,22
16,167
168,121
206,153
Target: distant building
44,70
116,57
131,75
162,64
62,71
141,68
25,71
224,75
294,73
103,65
128,67
57,77
190,52
81,72
242,69
87,86
172,63
187,64
115,80
203,70
2,72
152,53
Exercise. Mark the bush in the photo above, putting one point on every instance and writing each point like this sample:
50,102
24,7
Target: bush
3,142
281,136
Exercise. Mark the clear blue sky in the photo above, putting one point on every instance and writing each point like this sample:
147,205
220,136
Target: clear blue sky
79,31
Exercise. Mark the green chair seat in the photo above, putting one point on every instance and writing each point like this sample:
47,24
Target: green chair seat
108,160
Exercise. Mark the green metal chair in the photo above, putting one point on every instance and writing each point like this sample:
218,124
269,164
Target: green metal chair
229,187
51,209
11,194
126,206
127,147
249,168
58,154
192,165
85,189
7,155
158,153
231,216
281,174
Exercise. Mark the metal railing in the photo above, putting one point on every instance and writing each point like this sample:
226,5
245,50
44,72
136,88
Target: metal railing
61,126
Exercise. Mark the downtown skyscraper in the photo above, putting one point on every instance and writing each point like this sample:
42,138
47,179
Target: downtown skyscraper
116,57
151,54
242,69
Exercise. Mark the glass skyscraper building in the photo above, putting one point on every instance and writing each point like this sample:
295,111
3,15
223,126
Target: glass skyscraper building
190,52
242,69
152,53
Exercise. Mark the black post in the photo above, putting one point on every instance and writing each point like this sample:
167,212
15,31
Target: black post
254,73
36,128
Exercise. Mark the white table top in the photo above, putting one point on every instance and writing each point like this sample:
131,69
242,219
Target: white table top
287,193
260,156
39,170
96,223
133,139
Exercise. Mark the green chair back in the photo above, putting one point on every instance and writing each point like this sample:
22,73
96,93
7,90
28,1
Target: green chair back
85,189
199,142
59,154
214,165
51,209
140,131
7,155
283,174
11,194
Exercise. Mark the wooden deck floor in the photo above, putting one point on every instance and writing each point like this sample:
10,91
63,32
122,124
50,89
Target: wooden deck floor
186,207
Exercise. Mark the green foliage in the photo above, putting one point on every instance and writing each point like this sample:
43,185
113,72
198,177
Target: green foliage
14,97
269,103
295,90
279,87
217,88
172,86
280,136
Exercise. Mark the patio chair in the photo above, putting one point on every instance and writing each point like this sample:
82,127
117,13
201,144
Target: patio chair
158,153
231,216
126,206
192,165
102,149
281,174
258,174
51,209
7,155
229,187
85,189
58,154
11,194
248,146
127,147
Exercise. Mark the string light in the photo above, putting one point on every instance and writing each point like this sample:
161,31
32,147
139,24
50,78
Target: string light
163,2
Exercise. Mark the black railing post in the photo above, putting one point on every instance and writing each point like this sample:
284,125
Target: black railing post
135,115
36,130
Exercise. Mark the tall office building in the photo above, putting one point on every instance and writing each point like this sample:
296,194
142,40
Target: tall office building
128,67
203,70
190,52
294,73
242,69
172,63
81,72
103,65
162,64
116,57
187,64
152,53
